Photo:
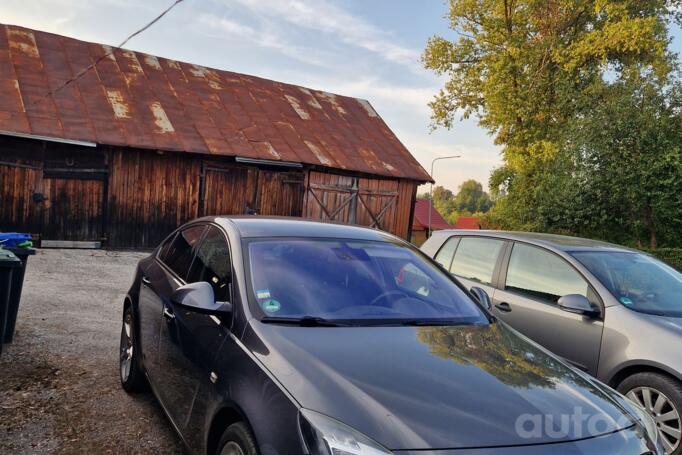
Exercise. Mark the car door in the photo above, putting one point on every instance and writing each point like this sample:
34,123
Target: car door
475,260
534,279
190,340
159,280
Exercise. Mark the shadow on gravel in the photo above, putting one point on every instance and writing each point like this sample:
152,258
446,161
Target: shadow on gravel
59,386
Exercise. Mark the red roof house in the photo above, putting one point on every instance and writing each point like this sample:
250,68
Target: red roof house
468,222
420,221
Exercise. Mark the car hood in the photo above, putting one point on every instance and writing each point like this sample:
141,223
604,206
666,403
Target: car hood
436,387
667,323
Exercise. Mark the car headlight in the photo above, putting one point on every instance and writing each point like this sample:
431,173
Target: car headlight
325,436
647,422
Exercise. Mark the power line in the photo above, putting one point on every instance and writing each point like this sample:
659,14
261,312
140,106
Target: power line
107,54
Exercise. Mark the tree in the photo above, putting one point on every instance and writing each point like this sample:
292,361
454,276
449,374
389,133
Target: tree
472,198
631,167
529,71
469,200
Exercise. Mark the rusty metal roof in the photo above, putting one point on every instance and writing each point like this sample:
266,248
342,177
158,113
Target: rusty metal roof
139,100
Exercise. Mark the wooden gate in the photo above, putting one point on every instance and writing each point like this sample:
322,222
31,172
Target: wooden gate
73,193
227,190
280,193
73,209
353,200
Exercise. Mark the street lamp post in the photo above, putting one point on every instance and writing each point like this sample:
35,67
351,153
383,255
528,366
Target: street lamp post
431,188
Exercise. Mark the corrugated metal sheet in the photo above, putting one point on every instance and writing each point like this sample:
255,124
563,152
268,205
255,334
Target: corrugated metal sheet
138,100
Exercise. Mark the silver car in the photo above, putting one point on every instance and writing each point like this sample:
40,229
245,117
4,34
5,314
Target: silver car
615,313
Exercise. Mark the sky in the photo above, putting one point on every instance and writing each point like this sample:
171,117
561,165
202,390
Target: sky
366,49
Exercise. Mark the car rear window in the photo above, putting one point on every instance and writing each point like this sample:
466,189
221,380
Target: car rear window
475,258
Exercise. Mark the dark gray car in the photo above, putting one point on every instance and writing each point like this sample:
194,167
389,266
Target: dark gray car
613,312
264,336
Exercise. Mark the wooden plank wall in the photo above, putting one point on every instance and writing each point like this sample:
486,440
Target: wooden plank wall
20,177
150,195
143,195
18,211
407,196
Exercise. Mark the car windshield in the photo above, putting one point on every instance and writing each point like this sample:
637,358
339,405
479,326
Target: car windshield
638,281
357,281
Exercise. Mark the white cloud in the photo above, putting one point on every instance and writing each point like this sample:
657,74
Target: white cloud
326,17
262,38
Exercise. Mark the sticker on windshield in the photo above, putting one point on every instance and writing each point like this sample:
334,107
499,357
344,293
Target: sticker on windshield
271,306
626,301
263,294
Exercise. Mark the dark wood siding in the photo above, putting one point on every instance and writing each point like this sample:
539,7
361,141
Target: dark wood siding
18,210
73,209
228,190
134,198
280,193
150,194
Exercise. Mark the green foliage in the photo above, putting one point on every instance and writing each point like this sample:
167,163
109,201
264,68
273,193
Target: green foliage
470,200
581,96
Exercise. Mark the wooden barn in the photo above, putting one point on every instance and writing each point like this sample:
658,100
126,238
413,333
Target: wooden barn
140,144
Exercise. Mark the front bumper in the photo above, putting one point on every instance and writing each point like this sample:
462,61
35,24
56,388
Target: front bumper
630,441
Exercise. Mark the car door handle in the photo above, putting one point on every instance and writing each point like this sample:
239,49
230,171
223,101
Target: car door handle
168,314
146,281
504,307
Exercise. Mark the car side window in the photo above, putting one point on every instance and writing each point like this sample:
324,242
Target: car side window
180,252
444,256
163,251
476,257
542,275
212,264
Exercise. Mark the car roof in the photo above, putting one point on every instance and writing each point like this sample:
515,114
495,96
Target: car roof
552,241
272,226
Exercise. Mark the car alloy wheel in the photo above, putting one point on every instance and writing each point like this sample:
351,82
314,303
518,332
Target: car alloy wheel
127,346
232,448
663,411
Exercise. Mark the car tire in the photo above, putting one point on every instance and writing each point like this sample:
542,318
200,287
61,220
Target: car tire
670,390
237,440
130,372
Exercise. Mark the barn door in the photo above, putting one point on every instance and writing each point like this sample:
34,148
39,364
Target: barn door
227,190
280,193
377,203
73,193
72,209
354,200
332,197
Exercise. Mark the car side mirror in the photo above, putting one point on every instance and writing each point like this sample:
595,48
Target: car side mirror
578,304
199,297
481,297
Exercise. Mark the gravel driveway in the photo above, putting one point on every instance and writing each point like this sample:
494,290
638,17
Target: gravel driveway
59,386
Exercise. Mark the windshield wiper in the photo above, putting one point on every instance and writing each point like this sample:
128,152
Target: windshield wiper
422,322
305,321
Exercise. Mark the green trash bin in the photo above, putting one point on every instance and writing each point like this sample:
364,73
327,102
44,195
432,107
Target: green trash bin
9,263
15,292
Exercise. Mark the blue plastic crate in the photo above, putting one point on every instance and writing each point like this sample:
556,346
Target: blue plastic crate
13,239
